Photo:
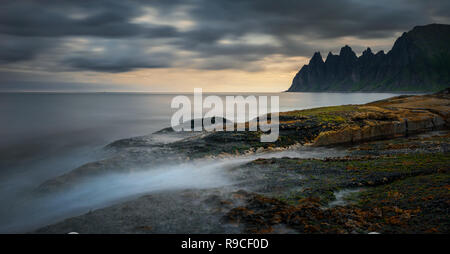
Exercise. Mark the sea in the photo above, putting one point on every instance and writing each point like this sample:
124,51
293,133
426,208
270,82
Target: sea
46,134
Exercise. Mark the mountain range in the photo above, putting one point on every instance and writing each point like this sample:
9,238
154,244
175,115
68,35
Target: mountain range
418,61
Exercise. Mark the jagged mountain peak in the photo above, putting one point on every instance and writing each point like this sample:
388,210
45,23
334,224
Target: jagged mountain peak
317,55
418,61
346,50
330,58
368,51
316,59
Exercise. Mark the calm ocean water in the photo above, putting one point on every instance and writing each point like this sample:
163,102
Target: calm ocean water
49,126
43,135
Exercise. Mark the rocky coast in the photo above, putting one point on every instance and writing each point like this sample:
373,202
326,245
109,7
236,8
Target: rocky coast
378,167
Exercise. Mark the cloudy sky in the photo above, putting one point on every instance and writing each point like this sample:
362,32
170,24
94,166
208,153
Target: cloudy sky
176,45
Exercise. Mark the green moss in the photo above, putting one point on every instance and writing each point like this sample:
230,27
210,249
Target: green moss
407,191
403,163
320,179
324,115
314,111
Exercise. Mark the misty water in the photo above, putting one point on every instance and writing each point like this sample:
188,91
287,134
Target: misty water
44,135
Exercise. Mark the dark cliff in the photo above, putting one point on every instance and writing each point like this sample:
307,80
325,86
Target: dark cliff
418,61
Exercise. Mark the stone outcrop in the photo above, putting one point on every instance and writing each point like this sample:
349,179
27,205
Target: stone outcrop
406,122
389,118
398,116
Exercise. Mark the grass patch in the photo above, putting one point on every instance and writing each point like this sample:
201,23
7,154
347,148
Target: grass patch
335,114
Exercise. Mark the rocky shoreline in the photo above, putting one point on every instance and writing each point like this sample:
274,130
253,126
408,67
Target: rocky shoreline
380,167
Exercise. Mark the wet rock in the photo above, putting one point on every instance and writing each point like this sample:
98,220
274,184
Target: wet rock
398,116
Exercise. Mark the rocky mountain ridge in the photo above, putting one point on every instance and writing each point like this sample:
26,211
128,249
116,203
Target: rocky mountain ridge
418,61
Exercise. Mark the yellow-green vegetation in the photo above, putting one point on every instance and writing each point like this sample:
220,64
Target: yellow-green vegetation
336,114
413,205
331,109
404,163
395,193
320,178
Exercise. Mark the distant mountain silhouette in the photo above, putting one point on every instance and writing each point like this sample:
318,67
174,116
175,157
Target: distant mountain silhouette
418,61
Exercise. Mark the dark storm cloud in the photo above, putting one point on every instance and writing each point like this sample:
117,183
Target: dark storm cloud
32,27
15,49
75,18
108,65
322,18
118,63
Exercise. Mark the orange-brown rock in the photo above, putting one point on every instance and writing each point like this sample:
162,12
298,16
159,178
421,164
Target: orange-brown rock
389,118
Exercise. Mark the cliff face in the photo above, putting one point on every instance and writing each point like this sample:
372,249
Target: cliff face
418,61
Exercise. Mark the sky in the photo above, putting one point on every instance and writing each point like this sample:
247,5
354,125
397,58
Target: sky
176,45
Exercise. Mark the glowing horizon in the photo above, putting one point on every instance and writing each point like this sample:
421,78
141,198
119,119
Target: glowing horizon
162,46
